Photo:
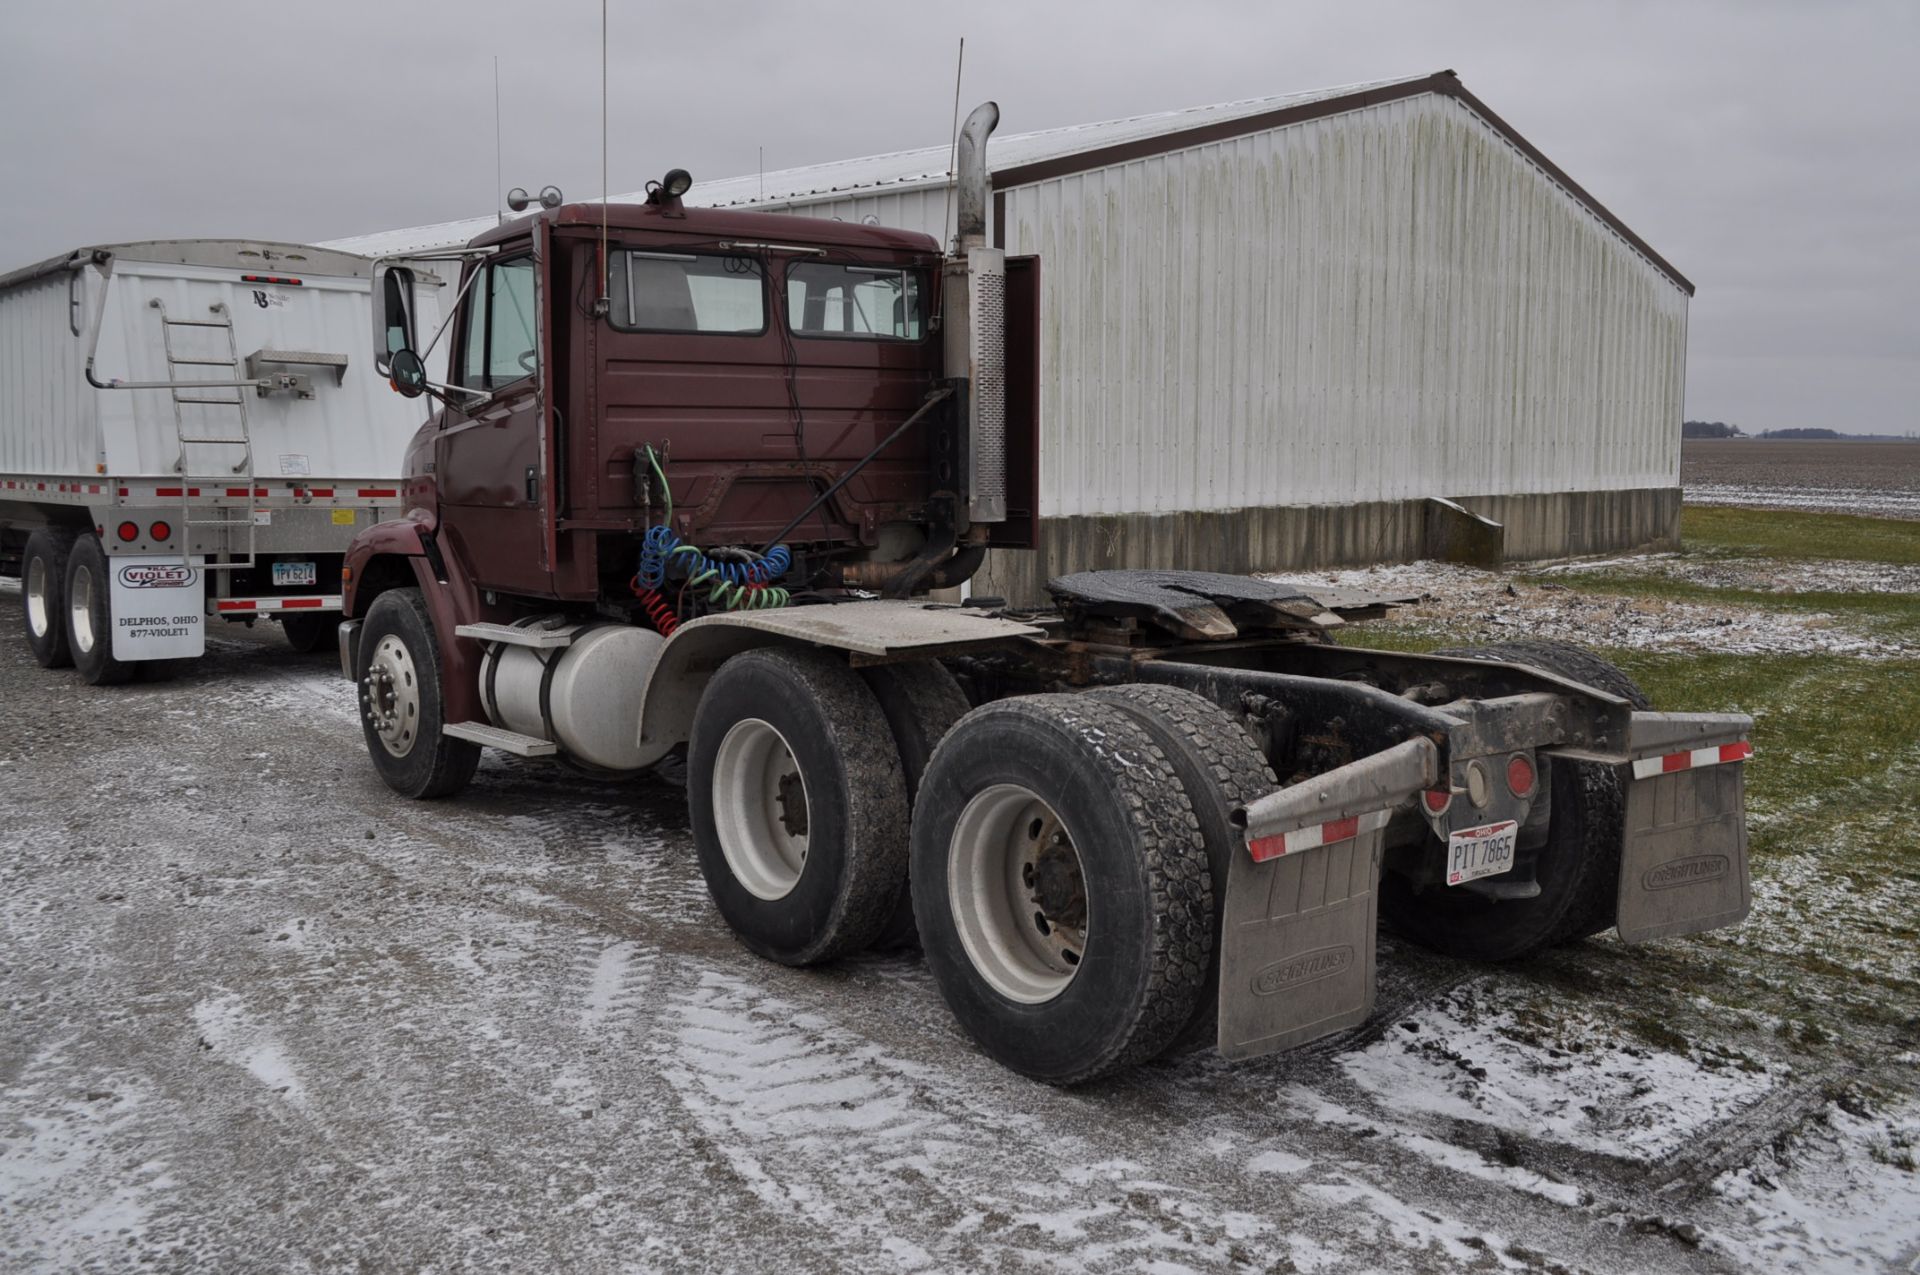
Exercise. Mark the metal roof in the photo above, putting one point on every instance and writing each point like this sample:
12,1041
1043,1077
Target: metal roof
1020,158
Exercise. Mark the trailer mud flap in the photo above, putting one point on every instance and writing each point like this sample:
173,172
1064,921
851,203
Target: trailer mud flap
1683,862
1297,945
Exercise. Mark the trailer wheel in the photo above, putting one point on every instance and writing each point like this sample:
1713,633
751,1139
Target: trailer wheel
1579,866
922,701
1220,767
90,615
308,632
399,677
798,804
43,595
1061,886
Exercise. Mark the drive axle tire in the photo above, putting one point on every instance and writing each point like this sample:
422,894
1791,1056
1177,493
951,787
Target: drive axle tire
922,702
1220,767
798,804
398,675
89,615
43,595
308,632
1061,886
1579,866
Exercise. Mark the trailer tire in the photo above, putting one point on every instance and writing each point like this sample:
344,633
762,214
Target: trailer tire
1579,866
398,676
43,595
1124,877
1220,767
922,702
807,885
307,632
89,615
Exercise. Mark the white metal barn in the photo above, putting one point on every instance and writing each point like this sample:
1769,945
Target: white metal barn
1306,330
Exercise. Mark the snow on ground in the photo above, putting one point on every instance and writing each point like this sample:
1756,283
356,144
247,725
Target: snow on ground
1840,1195
1877,503
1491,606
260,1014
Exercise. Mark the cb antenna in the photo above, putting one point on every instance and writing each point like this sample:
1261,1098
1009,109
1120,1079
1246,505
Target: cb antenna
500,179
605,303
953,135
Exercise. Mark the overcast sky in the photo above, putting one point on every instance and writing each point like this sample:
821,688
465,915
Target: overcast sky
1771,151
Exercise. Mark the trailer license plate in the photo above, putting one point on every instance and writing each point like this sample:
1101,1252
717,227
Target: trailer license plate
294,573
1481,852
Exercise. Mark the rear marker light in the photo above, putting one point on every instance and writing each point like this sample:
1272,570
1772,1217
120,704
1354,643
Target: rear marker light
270,278
1437,800
161,531
1520,776
129,531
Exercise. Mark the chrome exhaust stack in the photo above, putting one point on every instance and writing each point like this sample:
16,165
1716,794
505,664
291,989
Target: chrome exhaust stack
973,326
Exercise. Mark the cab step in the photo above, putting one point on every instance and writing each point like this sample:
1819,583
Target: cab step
514,635
505,740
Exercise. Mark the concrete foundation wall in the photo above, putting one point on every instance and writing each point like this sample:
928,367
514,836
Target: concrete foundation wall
1301,537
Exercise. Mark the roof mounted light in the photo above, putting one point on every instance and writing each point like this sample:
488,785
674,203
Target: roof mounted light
676,183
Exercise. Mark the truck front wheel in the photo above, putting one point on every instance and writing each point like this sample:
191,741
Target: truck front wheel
43,595
90,615
1061,886
798,804
399,679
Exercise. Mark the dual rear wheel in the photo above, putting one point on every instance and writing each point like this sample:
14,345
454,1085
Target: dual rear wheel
1062,857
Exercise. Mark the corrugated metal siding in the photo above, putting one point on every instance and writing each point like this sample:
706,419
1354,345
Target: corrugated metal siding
46,408
1385,304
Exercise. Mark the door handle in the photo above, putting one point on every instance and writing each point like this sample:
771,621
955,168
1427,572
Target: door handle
533,486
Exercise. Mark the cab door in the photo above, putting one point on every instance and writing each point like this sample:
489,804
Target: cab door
490,456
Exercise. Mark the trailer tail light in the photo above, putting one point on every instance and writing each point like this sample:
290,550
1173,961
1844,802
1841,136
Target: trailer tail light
129,532
1520,775
270,278
161,530
1437,800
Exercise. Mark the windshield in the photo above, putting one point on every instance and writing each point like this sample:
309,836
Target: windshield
863,302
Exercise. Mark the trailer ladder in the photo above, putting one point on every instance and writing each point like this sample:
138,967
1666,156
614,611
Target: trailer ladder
209,406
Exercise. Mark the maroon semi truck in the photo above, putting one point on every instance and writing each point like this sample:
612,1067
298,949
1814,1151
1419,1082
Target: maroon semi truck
691,477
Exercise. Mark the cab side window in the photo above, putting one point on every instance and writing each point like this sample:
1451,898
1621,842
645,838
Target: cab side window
500,335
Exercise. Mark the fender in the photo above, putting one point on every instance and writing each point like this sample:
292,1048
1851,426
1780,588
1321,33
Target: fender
869,632
450,597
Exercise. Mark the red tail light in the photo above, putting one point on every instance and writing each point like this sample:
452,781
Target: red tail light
161,530
1520,775
1437,800
129,532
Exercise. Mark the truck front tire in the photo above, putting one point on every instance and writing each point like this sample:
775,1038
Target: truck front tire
1061,887
43,595
89,615
798,804
1578,868
398,677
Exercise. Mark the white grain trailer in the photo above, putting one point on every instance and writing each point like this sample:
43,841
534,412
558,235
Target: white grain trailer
183,434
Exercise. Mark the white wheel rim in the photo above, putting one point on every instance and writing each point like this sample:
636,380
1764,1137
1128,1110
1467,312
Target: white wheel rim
761,809
1017,890
80,610
39,608
390,695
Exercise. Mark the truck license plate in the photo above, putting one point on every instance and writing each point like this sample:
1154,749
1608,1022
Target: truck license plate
1481,852
294,573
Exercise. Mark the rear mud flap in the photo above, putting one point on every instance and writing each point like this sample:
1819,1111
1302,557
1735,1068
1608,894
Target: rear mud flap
1683,866
1297,945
